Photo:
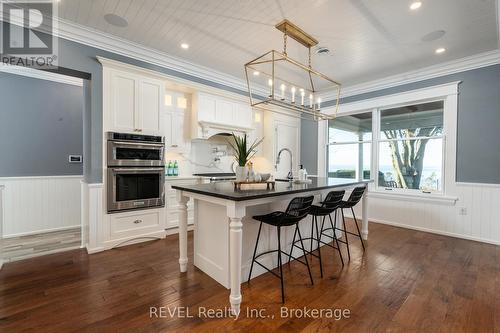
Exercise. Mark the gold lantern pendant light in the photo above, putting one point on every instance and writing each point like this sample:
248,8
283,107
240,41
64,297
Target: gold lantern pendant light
276,79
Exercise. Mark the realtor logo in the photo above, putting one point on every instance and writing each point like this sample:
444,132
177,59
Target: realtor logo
28,30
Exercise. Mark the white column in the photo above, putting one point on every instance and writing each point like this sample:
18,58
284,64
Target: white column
364,207
183,223
235,213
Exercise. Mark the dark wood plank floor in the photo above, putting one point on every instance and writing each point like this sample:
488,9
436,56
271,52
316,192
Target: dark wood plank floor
407,281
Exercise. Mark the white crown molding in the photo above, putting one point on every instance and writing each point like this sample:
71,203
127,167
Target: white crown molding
451,67
421,94
42,75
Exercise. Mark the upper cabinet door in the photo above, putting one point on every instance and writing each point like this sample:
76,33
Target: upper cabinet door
151,96
206,108
242,115
224,112
123,101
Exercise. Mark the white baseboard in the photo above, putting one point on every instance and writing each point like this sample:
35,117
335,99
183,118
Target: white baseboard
42,231
432,231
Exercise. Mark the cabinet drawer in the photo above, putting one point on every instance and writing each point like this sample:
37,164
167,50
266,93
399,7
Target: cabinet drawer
135,224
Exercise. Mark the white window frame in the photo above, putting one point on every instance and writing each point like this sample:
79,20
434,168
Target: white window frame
448,93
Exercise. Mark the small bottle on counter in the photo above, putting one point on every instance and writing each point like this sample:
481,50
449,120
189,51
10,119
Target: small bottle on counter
302,173
175,169
170,168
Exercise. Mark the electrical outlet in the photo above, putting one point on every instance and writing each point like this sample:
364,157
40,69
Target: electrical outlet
463,211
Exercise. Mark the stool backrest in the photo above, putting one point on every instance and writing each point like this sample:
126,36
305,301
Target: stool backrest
356,195
298,208
333,199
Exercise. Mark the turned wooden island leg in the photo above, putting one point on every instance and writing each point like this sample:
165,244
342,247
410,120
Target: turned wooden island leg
235,215
183,224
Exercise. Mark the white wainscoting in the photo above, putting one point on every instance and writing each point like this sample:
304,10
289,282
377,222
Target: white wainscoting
40,204
92,217
481,222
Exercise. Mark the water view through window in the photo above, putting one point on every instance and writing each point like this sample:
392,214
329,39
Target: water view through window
408,146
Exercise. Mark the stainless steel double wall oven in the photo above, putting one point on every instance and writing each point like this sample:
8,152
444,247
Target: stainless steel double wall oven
136,171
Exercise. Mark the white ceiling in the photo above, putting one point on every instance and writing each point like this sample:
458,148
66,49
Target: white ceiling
369,39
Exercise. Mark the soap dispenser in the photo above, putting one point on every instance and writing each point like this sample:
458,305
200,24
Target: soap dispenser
302,173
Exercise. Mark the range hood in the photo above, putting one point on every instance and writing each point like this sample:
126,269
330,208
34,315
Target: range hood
210,129
217,115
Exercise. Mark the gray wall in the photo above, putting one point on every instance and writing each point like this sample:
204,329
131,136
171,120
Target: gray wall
478,133
40,125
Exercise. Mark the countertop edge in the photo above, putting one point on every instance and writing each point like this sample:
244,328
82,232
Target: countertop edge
266,195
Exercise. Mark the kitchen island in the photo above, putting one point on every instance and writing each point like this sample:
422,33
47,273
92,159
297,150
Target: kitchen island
225,233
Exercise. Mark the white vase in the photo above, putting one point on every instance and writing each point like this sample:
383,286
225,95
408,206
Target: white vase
241,173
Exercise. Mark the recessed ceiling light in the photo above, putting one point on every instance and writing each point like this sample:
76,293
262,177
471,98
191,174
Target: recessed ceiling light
185,46
116,20
416,5
256,73
440,50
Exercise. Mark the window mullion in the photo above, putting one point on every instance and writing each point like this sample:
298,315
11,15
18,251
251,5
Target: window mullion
375,139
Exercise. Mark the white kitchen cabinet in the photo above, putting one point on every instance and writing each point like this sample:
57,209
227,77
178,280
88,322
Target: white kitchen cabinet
123,101
172,207
133,102
134,224
224,111
150,105
243,115
176,126
212,114
206,108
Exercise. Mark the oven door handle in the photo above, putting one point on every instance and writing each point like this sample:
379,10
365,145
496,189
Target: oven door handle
136,169
138,144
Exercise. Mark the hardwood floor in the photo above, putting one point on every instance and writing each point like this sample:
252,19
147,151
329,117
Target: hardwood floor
407,281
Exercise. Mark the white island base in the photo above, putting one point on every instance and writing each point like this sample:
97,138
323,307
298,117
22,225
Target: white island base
225,235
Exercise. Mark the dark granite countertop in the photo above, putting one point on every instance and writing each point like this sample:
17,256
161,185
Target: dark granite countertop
225,190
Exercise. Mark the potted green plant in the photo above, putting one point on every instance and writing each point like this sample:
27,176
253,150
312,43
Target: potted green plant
243,154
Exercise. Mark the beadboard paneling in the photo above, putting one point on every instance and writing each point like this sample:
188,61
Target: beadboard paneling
40,204
481,223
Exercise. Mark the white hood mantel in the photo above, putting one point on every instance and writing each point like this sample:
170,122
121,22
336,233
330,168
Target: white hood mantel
209,129
214,114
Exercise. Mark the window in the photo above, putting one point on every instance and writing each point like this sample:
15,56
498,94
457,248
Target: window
349,146
410,147
406,141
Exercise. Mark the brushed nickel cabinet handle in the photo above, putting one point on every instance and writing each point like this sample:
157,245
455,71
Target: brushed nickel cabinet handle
175,146
137,221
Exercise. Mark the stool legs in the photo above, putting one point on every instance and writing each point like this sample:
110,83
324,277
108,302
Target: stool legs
280,266
334,226
345,235
305,255
254,252
318,237
280,260
357,227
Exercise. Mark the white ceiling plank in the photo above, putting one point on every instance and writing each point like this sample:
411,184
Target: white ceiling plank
368,39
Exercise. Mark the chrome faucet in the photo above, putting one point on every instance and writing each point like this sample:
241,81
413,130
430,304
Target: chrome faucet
290,173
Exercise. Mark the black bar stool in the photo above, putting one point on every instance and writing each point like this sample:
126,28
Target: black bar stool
330,205
353,200
297,209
